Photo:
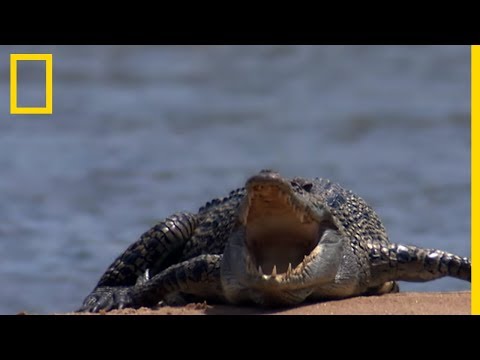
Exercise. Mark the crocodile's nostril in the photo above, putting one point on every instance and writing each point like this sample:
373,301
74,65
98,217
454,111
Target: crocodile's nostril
307,187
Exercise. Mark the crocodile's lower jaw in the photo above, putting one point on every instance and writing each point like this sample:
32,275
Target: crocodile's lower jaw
293,273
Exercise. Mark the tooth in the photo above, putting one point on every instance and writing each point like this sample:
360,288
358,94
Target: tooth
244,217
289,270
274,271
260,271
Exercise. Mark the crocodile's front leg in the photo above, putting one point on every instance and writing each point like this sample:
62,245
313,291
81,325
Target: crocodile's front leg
199,276
411,263
154,251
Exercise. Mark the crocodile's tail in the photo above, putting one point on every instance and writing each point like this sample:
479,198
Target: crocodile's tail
411,263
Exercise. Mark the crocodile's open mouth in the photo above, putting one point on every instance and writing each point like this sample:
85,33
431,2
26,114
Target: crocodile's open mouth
281,233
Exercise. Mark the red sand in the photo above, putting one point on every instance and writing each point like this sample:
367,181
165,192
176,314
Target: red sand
450,303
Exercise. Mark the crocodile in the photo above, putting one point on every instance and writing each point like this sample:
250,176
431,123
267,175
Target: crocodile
274,242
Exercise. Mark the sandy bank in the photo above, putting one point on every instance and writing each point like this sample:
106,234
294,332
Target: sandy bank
449,303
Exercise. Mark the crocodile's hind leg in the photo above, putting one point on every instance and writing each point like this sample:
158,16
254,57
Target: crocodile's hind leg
386,288
411,263
153,252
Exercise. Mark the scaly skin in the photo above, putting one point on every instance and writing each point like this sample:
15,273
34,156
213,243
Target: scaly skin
276,241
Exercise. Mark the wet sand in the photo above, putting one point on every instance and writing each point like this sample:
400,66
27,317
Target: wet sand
445,303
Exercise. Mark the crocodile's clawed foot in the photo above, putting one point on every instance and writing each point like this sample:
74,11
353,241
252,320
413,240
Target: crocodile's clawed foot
109,298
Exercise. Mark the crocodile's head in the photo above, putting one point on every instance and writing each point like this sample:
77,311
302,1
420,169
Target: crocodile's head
274,252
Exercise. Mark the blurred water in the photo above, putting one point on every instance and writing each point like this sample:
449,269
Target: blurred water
139,132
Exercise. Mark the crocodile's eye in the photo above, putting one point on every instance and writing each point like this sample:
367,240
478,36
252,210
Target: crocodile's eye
307,187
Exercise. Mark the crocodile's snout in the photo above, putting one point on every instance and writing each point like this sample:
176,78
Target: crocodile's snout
280,234
282,229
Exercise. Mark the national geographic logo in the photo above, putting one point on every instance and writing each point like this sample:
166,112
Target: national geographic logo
48,108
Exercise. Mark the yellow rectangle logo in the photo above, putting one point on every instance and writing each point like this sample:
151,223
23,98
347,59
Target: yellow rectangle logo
48,108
